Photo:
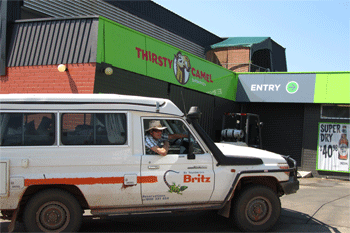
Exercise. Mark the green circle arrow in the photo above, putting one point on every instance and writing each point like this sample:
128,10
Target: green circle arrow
292,87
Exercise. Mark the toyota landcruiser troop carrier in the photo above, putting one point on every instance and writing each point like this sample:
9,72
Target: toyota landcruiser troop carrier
62,154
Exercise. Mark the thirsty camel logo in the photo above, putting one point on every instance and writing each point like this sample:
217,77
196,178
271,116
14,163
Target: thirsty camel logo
182,67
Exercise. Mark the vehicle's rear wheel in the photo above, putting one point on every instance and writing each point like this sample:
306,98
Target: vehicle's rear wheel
52,210
256,209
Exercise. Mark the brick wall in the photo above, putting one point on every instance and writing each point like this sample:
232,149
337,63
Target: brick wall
232,58
46,79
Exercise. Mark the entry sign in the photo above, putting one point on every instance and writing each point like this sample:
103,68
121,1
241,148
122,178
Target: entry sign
333,147
280,88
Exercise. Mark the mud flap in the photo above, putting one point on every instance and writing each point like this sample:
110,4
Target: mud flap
225,211
12,225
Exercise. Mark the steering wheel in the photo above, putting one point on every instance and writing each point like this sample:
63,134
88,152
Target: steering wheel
174,142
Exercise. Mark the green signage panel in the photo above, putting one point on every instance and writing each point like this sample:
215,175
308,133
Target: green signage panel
120,45
127,49
332,88
316,87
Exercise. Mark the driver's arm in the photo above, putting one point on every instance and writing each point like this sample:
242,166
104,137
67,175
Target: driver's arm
176,136
163,151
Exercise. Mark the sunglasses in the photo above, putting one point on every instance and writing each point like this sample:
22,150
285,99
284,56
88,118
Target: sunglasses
157,130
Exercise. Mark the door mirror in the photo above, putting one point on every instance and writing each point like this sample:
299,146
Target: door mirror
191,156
194,113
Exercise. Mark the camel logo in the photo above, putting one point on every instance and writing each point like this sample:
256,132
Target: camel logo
182,67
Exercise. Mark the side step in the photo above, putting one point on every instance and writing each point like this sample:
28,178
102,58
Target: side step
150,209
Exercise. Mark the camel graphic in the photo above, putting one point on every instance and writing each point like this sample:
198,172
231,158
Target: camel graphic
182,67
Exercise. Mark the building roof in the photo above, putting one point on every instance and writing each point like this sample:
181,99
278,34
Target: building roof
144,16
239,41
164,18
51,41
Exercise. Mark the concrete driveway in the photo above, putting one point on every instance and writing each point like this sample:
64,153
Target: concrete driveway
320,205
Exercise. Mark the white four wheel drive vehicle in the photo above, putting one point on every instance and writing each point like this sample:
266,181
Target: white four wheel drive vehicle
62,154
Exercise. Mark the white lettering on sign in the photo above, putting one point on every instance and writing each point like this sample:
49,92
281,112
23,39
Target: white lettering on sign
265,87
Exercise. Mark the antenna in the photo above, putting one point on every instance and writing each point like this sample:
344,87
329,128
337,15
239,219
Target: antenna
183,101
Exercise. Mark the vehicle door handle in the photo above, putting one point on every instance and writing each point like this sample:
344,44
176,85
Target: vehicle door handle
153,167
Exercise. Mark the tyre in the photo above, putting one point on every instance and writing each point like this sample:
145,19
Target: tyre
52,210
256,209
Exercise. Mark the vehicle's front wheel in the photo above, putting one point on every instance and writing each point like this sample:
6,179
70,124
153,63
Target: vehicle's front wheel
256,209
52,210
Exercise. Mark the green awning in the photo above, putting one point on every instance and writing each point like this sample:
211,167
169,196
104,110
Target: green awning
239,41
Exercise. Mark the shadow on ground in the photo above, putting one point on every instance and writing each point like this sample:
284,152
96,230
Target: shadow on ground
294,221
209,221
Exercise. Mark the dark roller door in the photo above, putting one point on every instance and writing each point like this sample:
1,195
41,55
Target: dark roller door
283,127
129,83
185,98
222,106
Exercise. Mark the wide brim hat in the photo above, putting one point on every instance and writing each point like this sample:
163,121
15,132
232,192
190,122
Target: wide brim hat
155,125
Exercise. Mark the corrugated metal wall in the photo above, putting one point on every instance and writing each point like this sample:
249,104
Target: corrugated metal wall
48,42
154,13
283,127
185,98
221,106
312,117
9,11
3,25
126,82
73,8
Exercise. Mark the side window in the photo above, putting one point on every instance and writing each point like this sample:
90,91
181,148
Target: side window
27,129
173,129
335,111
93,129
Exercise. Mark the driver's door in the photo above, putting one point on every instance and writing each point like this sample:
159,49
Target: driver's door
175,177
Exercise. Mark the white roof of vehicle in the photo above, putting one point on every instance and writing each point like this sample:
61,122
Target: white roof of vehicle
147,103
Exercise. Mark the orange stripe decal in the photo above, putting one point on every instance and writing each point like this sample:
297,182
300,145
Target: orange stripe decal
147,179
88,180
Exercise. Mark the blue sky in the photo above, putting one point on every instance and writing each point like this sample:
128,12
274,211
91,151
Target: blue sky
315,34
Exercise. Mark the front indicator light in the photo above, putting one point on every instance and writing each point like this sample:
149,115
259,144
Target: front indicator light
284,166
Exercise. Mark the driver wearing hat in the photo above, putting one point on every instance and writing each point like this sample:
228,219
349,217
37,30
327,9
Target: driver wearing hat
156,140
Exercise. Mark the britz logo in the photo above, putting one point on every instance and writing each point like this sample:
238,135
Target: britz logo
199,179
